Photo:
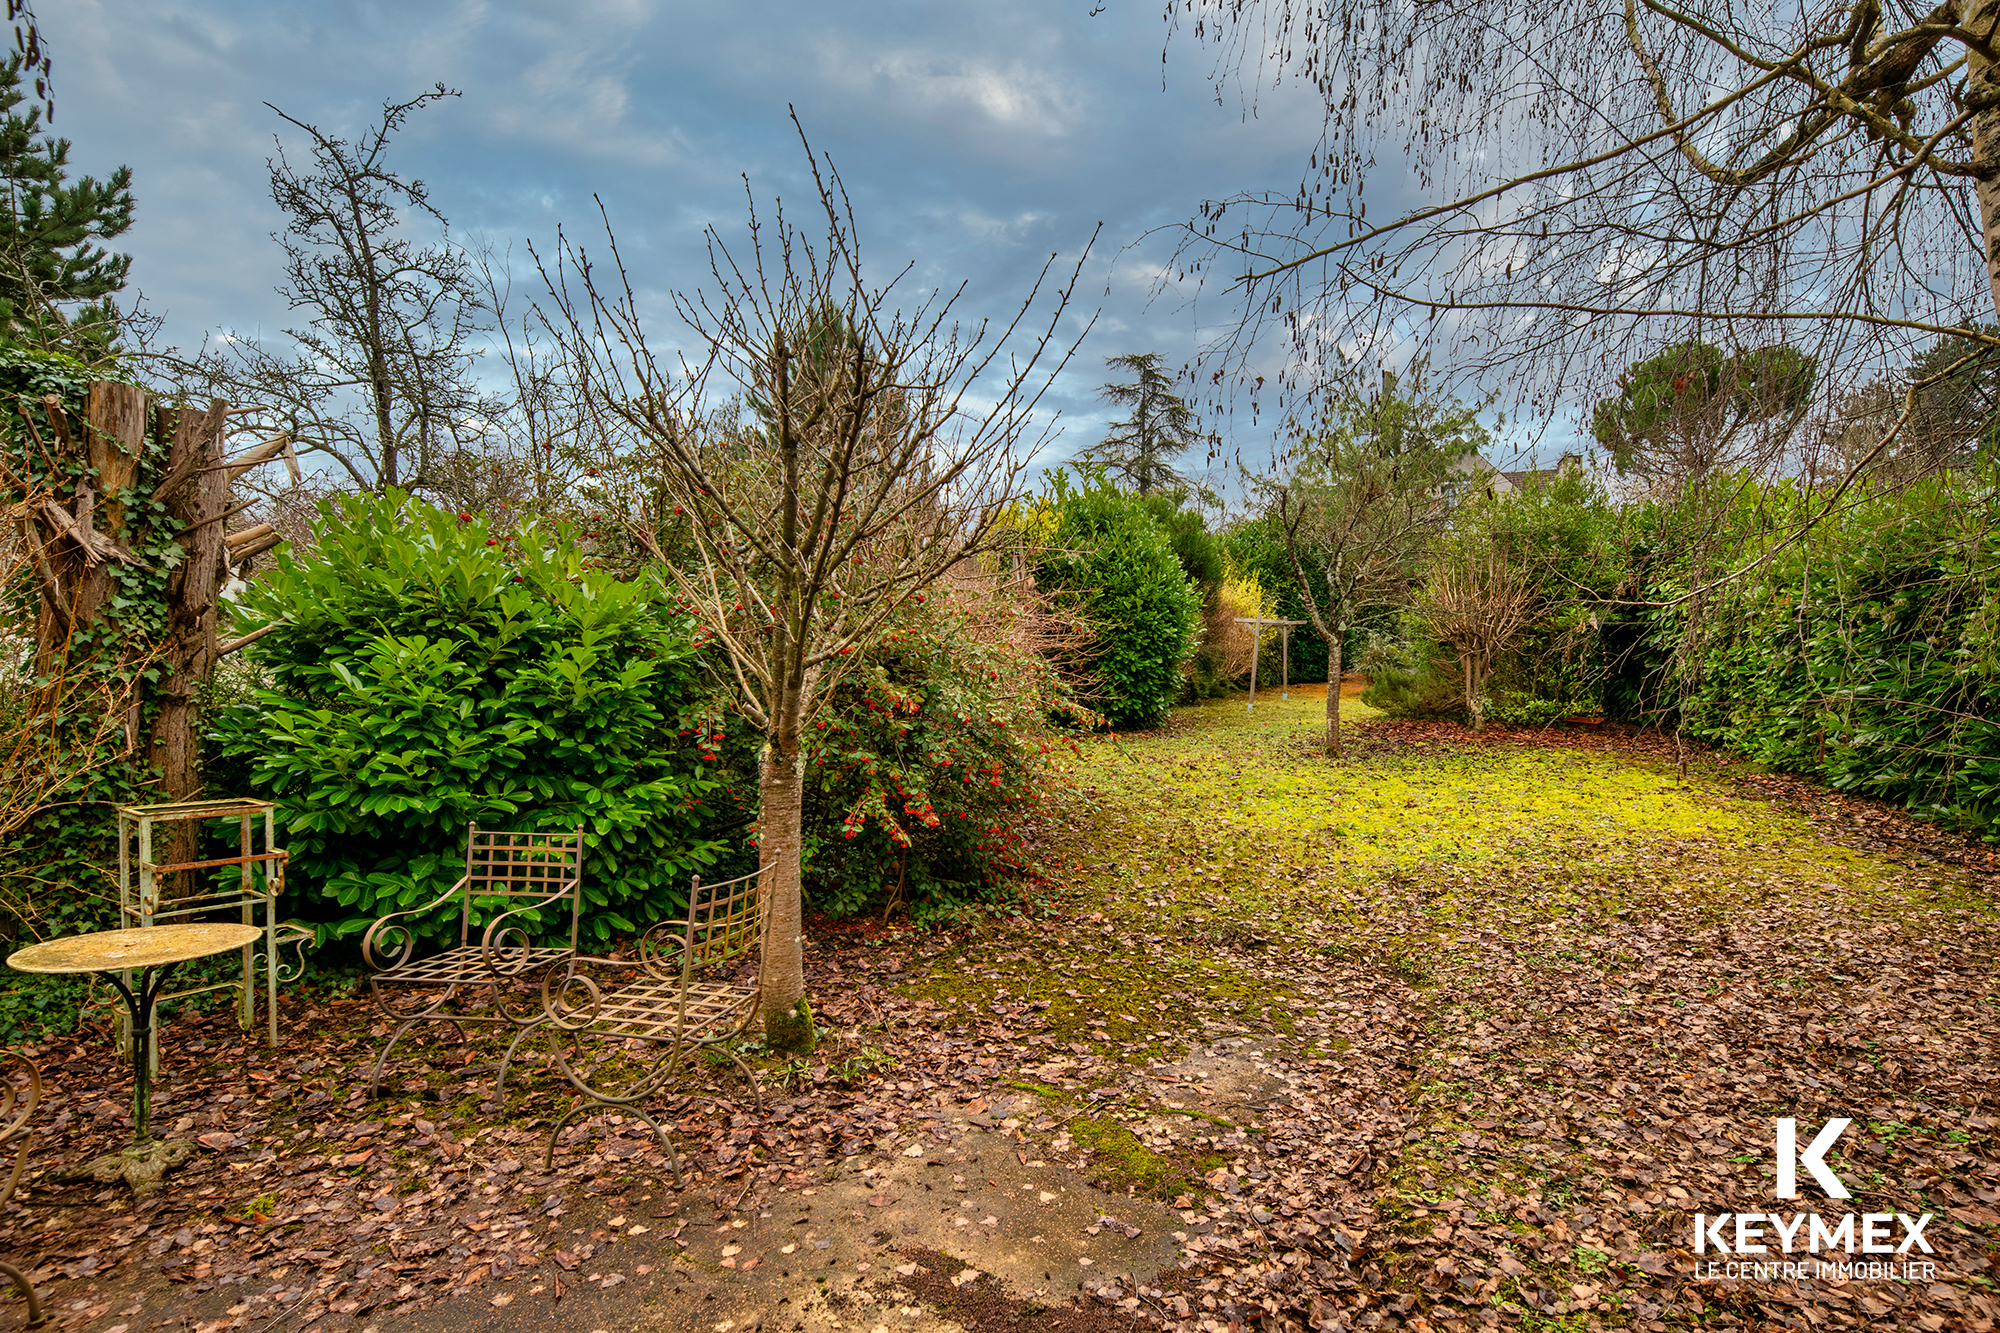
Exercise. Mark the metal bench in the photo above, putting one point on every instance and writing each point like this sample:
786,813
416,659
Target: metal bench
475,980
20,1094
619,1047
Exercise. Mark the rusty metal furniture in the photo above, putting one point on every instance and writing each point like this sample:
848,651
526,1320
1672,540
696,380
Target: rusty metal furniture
20,1093
621,1045
153,952
520,874
156,893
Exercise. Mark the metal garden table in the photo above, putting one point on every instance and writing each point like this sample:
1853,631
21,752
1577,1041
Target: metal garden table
151,951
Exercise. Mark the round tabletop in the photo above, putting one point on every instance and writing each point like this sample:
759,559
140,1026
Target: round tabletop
143,946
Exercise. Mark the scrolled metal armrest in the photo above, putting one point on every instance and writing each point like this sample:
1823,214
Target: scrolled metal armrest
656,947
19,1096
570,999
493,942
373,952
296,936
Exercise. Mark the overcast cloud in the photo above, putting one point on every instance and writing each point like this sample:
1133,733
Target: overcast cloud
976,140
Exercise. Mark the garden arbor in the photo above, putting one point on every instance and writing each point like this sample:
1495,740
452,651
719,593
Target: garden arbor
1258,624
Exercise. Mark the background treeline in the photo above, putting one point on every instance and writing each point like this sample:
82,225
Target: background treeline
1852,640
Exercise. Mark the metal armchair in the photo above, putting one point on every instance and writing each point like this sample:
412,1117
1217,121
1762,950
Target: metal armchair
475,980
678,1017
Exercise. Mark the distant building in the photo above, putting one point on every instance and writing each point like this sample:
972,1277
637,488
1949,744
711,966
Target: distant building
1483,478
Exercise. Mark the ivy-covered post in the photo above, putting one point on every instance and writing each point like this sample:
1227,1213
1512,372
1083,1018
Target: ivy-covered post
195,492
114,441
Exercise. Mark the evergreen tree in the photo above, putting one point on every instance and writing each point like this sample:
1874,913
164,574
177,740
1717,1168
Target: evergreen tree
56,282
1694,409
1162,425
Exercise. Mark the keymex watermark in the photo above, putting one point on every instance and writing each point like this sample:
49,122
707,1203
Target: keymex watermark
1802,1245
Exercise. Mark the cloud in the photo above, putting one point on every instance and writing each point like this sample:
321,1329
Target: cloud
961,90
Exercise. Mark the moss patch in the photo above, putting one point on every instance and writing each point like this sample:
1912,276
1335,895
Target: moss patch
790,1030
1129,1165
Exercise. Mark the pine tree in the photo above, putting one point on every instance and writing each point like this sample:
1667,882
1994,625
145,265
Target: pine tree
56,282
1161,426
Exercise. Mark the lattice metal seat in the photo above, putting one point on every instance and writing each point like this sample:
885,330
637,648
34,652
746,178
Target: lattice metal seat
475,980
620,1046
471,965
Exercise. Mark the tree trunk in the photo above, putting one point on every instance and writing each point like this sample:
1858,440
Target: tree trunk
1333,673
188,651
1472,689
781,971
112,443
1981,77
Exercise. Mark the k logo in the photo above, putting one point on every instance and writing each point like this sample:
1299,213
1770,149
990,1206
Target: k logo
1813,1159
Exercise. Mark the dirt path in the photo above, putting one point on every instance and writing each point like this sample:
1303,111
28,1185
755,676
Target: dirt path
1458,1035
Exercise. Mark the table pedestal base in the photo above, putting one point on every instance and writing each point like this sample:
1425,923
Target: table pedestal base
140,1165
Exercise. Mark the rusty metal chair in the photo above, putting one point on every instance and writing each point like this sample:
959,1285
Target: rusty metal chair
471,982
20,1094
619,1047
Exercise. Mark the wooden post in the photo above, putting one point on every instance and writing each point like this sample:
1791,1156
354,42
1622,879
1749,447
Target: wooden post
1256,642
197,493
114,437
1285,671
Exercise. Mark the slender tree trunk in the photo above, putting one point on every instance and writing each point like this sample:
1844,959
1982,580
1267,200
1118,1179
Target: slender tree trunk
781,971
781,968
1333,673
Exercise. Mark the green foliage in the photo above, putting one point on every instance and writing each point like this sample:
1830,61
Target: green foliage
1527,710
430,671
49,226
1866,655
925,761
1410,680
1203,562
1199,552
1103,548
1365,495
1673,404
1257,545
1559,537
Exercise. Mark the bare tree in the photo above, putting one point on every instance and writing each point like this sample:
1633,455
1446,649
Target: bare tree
876,457
378,379
536,446
1475,601
1371,485
1598,180
1954,419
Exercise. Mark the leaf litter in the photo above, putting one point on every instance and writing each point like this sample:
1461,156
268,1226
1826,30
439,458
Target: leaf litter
1402,1043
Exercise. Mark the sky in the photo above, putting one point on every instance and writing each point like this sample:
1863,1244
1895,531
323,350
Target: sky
975,140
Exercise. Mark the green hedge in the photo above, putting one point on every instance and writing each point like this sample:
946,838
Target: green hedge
431,671
1104,548
1866,655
